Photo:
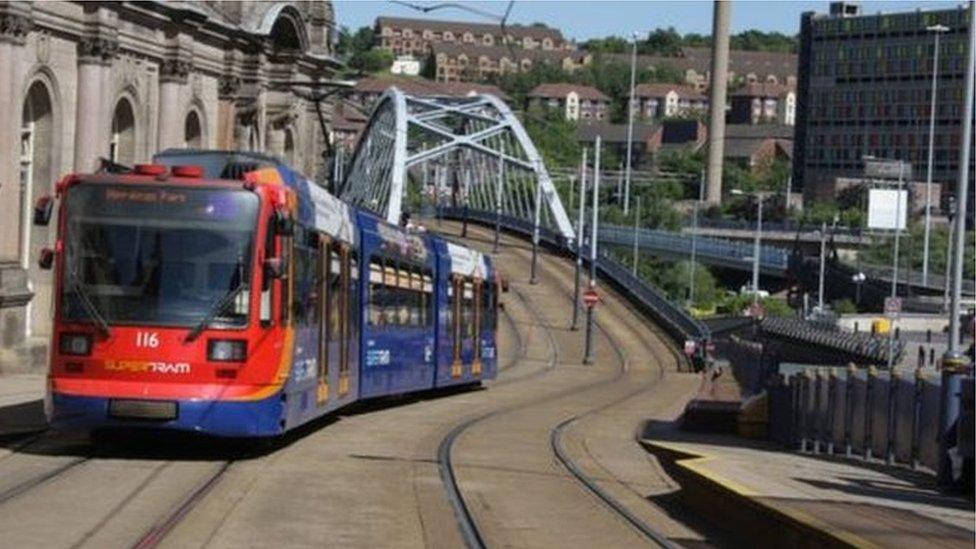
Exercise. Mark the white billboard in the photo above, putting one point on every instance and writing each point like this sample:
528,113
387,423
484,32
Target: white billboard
887,209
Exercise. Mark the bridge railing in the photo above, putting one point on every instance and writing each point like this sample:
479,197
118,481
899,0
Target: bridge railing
720,250
673,318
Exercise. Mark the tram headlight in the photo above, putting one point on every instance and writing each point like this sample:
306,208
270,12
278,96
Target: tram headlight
75,344
226,350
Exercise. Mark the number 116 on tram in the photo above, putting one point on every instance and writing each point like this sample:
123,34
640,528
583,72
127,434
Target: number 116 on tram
223,293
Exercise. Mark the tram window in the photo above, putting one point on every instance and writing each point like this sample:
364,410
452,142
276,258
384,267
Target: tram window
467,309
335,291
305,300
266,282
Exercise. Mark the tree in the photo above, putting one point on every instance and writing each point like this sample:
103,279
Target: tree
374,60
555,137
351,43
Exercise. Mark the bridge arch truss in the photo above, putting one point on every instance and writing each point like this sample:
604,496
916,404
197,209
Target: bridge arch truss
449,151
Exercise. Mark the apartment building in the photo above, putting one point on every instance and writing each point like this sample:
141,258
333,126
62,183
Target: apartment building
763,103
406,36
575,102
668,101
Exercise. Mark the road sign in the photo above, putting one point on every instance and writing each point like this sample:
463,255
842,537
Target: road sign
887,169
892,306
591,298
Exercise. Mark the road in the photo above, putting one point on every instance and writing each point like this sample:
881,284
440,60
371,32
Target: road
545,456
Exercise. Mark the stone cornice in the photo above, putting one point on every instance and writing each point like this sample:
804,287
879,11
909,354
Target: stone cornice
16,22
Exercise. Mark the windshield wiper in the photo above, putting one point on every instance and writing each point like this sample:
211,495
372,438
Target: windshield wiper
213,312
89,305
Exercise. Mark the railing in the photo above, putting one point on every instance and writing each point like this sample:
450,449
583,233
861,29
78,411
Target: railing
858,412
673,318
870,349
709,250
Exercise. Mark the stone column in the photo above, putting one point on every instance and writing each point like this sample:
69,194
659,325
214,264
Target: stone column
173,73
92,122
228,88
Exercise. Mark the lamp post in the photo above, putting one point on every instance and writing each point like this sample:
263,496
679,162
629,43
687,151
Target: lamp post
694,236
630,124
936,30
636,230
757,243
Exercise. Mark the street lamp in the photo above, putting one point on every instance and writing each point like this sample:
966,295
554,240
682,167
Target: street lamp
936,30
630,124
756,245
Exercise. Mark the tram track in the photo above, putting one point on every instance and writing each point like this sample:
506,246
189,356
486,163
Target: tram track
38,480
158,532
467,523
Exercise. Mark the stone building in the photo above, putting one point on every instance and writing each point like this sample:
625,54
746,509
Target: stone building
121,80
668,101
405,36
473,62
763,103
573,101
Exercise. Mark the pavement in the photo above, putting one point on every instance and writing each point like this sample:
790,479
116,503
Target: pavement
21,406
786,498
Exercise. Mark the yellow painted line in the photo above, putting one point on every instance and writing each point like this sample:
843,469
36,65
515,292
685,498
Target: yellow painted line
697,461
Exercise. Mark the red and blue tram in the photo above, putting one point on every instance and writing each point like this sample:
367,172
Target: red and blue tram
223,293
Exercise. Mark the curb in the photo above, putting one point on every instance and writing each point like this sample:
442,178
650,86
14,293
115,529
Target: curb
738,509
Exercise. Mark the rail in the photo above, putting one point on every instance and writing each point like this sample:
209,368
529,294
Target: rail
673,318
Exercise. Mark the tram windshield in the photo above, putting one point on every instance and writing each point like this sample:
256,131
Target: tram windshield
157,255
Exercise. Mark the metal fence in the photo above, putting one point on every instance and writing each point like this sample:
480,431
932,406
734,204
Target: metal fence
859,412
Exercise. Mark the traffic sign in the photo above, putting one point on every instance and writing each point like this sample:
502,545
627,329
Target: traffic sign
591,298
892,306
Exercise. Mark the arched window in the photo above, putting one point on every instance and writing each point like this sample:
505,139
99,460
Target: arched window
192,131
37,173
284,35
122,147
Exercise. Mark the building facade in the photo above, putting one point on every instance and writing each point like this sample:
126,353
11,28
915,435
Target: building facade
763,103
695,65
405,36
472,62
668,101
865,89
572,101
81,81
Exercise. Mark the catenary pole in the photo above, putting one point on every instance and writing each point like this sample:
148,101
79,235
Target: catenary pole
630,125
954,361
579,242
936,30
588,352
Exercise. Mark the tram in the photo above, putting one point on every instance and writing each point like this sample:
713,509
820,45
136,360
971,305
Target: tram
223,293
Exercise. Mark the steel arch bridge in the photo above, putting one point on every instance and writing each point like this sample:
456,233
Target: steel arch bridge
459,152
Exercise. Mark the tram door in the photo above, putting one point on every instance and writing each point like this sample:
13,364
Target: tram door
476,299
342,309
323,274
457,292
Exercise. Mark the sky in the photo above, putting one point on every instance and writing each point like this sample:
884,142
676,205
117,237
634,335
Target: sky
584,19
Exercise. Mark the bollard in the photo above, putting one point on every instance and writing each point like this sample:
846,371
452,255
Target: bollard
818,390
856,327
869,412
894,378
921,357
849,410
831,409
928,335
917,416
932,356
898,333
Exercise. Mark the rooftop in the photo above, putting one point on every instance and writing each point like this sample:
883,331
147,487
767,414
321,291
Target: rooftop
462,26
562,90
420,86
660,90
